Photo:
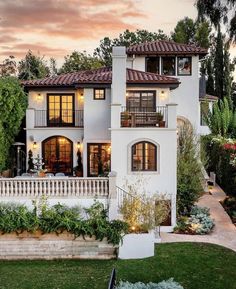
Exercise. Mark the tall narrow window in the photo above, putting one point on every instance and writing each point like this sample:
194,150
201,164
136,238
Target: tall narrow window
144,157
168,65
60,109
152,64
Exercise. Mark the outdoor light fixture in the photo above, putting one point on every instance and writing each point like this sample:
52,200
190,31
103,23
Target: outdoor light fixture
39,97
34,145
162,94
78,145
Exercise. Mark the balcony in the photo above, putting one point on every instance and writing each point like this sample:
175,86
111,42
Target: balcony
144,117
59,118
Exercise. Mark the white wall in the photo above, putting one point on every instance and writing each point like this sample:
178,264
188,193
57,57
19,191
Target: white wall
186,95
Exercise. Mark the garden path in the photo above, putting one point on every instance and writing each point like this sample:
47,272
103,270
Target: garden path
224,232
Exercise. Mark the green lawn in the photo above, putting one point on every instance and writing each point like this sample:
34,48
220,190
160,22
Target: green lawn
195,266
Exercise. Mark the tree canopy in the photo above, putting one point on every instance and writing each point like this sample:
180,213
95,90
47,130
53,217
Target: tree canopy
77,61
127,38
218,11
32,67
192,32
13,103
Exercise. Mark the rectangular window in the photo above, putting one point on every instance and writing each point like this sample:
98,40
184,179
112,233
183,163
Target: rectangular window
168,65
184,65
141,101
60,109
99,93
152,64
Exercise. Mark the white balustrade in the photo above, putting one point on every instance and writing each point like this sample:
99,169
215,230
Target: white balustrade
54,187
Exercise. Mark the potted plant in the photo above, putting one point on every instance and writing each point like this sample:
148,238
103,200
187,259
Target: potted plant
143,214
125,119
160,121
42,173
79,168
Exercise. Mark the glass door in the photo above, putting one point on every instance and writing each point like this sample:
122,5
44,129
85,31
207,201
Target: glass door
60,110
58,155
99,155
141,101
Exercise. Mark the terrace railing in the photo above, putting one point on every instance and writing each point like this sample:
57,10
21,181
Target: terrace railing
59,118
144,117
53,187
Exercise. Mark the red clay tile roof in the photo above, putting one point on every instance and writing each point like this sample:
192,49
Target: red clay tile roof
164,47
100,76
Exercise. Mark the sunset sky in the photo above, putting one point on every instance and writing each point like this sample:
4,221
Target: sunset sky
58,27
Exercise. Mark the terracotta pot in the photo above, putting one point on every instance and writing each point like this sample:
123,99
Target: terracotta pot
79,174
162,123
41,174
6,174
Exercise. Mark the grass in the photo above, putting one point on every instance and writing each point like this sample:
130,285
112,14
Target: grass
193,265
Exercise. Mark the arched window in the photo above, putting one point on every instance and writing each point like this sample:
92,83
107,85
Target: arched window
144,156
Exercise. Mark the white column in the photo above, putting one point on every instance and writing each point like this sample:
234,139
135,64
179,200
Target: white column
30,115
115,115
119,75
113,202
172,115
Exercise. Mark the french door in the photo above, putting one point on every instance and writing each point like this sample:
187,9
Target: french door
60,110
99,156
57,154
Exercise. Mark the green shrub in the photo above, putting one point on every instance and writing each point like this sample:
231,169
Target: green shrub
168,284
199,222
17,218
221,154
59,218
188,171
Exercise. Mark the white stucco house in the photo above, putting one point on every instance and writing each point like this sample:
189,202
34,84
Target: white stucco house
122,119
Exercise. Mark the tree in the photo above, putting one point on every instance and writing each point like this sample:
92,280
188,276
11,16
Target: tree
188,170
78,61
210,86
32,67
184,31
8,67
13,103
219,65
53,67
228,69
222,120
190,32
218,11
127,38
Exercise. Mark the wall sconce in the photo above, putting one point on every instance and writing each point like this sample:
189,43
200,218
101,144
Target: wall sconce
109,149
162,94
34,145
78,145
39,97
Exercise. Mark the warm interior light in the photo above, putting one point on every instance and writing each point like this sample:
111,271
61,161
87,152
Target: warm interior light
109,149
34,145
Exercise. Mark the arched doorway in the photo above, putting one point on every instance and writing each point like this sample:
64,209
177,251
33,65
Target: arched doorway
57,152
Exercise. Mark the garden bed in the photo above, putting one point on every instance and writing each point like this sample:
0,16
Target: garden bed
229,204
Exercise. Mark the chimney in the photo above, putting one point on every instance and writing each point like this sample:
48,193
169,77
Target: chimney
119,75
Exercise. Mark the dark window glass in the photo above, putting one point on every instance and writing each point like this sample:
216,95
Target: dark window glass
144,156
141,101
99,93
184,65
168,65
152,64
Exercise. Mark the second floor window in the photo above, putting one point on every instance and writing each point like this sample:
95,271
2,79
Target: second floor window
168,65
152,64
99,93
60,109
184,65
141,101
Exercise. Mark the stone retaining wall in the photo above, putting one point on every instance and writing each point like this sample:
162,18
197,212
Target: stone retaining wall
53,246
